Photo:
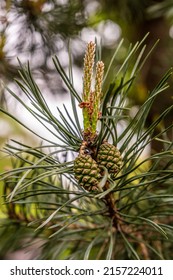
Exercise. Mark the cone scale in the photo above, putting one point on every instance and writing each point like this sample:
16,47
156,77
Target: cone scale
86,171
109,156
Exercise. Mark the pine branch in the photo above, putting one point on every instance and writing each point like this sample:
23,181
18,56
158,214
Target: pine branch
107,201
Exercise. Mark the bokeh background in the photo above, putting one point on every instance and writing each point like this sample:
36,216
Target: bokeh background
35,30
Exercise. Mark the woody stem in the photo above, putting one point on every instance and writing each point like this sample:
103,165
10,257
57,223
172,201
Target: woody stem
112,210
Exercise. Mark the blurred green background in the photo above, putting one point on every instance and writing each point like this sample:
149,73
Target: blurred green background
35,30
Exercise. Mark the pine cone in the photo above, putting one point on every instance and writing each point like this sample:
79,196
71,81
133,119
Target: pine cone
110,157
86,171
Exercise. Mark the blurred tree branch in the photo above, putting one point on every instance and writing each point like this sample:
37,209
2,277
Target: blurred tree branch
35,30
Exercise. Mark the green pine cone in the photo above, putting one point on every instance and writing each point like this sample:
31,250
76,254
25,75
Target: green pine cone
86,171
110,157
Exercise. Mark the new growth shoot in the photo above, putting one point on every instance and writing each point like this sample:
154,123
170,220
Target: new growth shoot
91,98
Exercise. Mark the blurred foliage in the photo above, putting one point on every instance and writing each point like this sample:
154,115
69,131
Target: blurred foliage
137,18
35,30
38,29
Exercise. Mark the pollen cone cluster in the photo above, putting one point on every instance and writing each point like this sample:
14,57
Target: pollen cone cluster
91,96
110,157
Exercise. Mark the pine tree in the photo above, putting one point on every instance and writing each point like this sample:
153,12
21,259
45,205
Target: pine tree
94,196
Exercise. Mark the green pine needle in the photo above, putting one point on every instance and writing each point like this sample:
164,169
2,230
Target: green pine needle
128,219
